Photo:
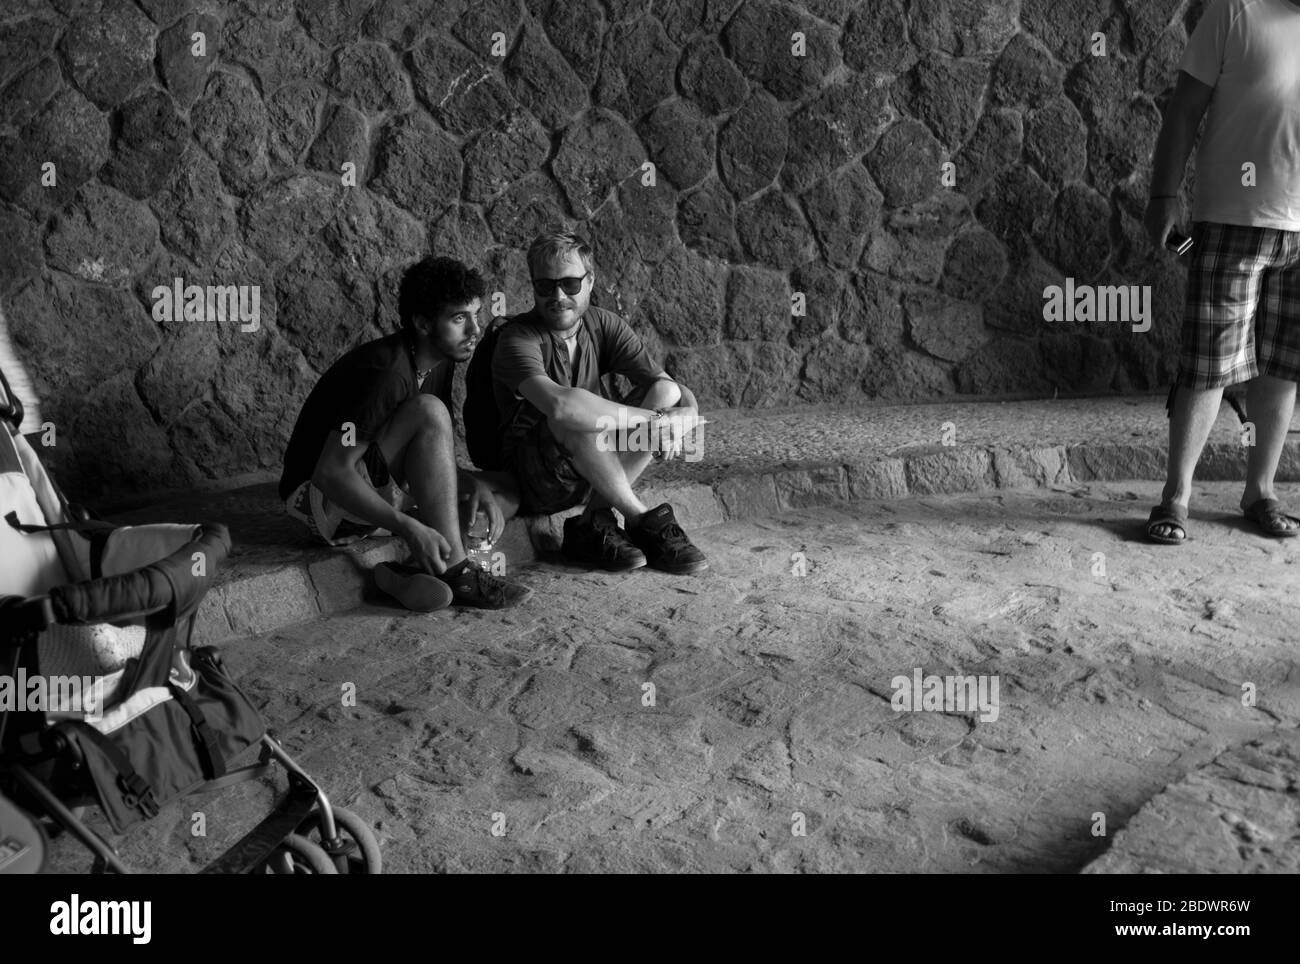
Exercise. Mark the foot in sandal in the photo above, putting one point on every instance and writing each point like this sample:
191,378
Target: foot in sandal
1167,524
1271,519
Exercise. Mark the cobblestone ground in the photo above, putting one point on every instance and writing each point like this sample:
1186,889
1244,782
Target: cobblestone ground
772,698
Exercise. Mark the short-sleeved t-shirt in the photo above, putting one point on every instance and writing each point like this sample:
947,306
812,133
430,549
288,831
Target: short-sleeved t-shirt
364,387
606,345
1249,52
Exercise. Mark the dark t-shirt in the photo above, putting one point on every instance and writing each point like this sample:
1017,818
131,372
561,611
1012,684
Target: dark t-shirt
606,345
364,387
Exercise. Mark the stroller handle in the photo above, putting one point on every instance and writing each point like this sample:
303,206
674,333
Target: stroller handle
22,615
167,583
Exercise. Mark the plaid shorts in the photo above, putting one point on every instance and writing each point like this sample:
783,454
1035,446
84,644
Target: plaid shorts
544,470
1243,306
328,522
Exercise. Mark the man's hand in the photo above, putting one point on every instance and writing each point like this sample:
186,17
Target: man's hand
429,550
481,497
1160,219
676,424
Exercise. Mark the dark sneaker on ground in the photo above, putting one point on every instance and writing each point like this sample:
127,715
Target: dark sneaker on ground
413,588
471,586
665,544
599,543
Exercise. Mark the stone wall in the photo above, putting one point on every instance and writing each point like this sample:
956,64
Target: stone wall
796,239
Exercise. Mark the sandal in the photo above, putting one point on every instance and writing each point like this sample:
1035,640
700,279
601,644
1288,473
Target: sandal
1172,514
1269,516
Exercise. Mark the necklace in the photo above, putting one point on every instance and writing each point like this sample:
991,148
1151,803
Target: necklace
420,374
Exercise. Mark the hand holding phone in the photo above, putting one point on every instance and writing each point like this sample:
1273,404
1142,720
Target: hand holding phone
1178,243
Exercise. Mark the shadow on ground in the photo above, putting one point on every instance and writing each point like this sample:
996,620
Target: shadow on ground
742,720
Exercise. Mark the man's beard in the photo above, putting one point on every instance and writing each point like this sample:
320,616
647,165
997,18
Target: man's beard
561,322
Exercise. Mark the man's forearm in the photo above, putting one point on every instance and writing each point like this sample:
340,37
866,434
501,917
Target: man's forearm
1173,147
584,411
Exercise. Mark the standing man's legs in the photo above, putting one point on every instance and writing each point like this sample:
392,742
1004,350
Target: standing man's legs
1270,399
1270,404
1195,412
1224,284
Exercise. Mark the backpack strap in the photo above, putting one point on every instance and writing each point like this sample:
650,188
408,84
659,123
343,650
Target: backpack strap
210,756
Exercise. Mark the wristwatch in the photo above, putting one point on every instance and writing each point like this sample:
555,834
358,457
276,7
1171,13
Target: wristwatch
660,415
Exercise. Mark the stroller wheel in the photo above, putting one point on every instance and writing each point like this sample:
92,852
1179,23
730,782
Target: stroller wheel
298,855
364,857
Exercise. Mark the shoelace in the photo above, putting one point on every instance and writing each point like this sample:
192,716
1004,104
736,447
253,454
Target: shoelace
609,546
672,531
488,585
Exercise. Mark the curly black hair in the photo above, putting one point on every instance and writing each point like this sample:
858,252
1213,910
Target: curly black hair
432,284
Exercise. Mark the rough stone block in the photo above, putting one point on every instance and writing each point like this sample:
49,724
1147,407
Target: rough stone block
1106,462
110,51
1029,468
808,487
694,504
339,582
748,496
210,623
951,470
261,603
877,479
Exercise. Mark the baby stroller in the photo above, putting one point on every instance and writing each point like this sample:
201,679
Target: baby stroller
105,701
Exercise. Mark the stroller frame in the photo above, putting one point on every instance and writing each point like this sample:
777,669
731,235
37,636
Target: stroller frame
37,752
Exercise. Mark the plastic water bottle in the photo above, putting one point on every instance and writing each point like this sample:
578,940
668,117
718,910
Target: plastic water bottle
478,542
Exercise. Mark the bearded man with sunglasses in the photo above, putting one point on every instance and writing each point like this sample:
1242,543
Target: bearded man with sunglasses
550,376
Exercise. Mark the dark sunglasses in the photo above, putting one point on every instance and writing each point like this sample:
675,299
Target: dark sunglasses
545,287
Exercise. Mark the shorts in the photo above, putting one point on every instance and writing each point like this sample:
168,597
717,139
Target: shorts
328,522
544,471
1242,313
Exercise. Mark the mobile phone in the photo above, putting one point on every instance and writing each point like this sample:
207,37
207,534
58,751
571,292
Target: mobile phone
1178,243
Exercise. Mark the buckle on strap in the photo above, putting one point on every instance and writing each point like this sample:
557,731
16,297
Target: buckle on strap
137,794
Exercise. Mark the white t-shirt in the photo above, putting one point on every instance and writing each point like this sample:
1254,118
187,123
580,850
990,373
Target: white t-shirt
1249,52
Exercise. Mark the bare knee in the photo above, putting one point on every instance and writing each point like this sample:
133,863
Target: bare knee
431,415
662,394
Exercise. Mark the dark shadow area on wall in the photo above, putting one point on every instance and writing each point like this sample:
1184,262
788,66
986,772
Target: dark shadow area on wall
792,203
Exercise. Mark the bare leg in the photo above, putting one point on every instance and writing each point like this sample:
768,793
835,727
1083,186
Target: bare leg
661,394
1270,402
610,473
419,444
1195,411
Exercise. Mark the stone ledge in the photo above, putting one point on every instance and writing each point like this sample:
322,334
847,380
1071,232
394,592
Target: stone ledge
760,465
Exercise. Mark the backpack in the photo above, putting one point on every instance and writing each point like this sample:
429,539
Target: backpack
479,412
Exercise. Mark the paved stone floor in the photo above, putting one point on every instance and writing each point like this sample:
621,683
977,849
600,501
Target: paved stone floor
1120,667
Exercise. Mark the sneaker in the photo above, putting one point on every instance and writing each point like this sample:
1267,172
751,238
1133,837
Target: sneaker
600,544
665,544
413,588
471,586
